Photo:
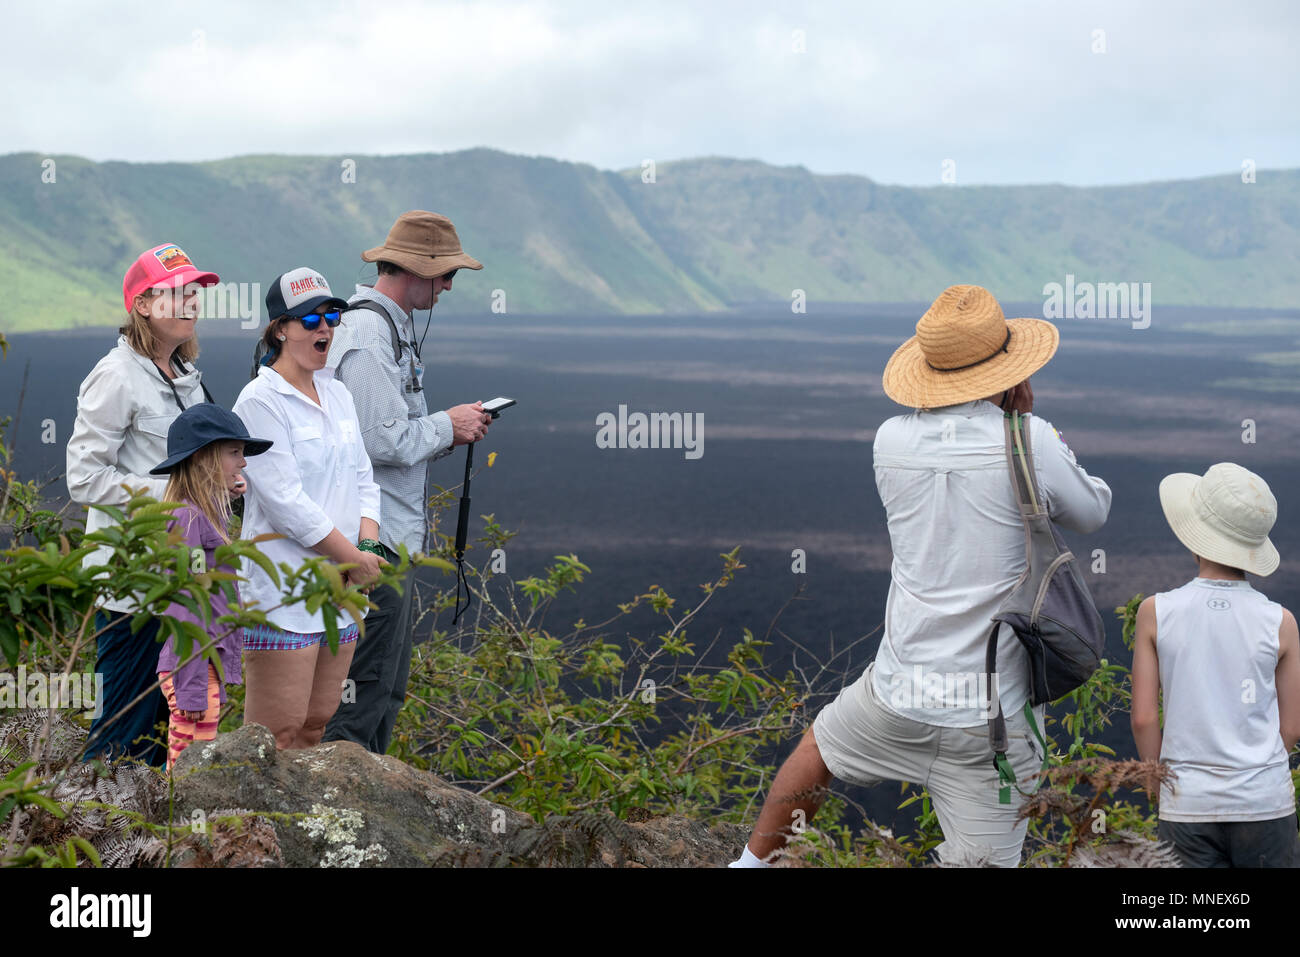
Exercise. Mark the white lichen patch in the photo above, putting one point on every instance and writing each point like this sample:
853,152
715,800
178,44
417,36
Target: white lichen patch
331,793
351,856
208,751
339,826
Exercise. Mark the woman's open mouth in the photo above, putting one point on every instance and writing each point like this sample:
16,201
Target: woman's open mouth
322,344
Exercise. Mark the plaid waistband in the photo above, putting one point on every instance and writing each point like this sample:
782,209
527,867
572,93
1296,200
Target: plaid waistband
271,638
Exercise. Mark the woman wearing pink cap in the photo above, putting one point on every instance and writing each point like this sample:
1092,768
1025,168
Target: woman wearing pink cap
124,410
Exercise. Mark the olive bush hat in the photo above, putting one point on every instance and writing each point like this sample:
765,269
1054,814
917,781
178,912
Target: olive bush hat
424,244
199,426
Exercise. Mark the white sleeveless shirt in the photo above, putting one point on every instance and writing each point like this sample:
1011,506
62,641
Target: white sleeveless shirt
1217,644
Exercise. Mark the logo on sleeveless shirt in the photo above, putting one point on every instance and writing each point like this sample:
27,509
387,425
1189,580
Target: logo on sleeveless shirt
1218,604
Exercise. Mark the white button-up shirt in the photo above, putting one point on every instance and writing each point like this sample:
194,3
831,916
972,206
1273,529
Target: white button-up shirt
315,477
959,548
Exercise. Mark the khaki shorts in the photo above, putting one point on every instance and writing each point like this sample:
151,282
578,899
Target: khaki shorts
863,742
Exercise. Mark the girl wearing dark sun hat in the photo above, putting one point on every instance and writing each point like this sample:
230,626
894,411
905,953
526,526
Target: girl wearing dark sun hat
206,446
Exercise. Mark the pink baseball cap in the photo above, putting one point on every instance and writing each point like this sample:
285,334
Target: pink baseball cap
165,265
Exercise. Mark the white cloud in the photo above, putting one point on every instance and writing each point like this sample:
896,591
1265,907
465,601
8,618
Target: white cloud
1010,91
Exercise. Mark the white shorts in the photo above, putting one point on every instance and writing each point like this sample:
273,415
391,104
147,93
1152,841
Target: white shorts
863,742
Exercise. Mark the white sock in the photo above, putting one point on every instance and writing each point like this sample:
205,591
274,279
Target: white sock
747,859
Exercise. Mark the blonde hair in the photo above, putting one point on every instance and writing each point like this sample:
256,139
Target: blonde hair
140,337
200,481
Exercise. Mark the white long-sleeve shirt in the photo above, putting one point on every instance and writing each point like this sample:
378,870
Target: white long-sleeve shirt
315,477
124,409
959,548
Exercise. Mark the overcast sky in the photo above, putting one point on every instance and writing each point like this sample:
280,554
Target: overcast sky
1010,92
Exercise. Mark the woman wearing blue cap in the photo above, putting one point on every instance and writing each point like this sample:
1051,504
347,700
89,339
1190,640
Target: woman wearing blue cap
314,487
206,446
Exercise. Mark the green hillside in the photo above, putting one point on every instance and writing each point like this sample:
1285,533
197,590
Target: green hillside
567,238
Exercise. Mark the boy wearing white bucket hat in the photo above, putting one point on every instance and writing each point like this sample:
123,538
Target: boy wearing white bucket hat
1228,662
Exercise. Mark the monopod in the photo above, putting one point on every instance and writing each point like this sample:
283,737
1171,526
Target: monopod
494,408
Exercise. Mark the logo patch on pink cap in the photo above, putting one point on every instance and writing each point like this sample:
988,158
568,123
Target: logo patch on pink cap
172,258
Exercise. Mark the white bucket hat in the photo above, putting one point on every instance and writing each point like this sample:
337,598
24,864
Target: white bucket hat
1224,515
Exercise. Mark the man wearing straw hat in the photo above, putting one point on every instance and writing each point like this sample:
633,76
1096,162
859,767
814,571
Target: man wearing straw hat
376,355
1228,662
959,547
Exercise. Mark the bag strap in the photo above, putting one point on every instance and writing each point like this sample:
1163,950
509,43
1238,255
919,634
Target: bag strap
1007,774
997,724
375,307
1016,448
1020,463
998,727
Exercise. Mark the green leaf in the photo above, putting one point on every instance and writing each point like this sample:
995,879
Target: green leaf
255,556
332,575
331,630
9,641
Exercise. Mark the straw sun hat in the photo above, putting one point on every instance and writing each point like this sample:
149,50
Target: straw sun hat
1224,515
966,349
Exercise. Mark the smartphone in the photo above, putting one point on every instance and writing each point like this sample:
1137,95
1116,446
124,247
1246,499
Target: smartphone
498,405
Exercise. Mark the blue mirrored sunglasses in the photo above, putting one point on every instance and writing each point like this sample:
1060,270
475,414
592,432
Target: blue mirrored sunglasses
311,321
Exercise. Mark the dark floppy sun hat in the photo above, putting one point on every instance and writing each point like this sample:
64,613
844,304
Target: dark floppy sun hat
199,426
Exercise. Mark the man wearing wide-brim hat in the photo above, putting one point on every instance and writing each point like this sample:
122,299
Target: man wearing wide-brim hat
1227,661
376,355
959,548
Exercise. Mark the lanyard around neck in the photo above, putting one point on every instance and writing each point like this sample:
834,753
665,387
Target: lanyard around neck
207,396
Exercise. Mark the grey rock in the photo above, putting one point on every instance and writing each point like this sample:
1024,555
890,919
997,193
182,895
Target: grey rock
338,805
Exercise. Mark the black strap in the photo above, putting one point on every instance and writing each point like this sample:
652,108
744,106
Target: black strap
207,396
1026,495
978,362
997,724
375,307
398,342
